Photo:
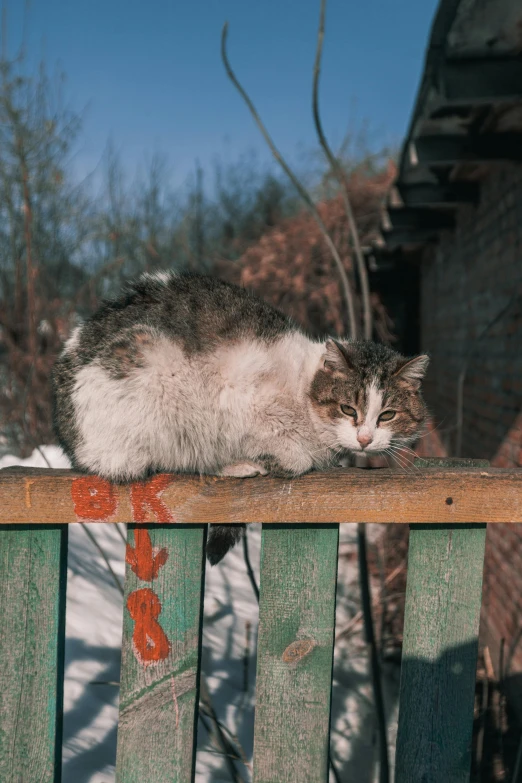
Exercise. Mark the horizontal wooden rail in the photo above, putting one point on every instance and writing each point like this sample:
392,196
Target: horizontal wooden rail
435,496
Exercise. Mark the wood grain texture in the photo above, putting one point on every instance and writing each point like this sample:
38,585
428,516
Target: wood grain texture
295,653
438,495
33,570
159,693
439,655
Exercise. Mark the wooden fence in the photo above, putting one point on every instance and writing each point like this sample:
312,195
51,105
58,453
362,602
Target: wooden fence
447,505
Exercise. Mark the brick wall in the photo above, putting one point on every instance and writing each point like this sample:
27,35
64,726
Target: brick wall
471,313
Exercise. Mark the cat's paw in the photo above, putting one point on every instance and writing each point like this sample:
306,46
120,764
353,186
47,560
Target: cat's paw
244,469
276,469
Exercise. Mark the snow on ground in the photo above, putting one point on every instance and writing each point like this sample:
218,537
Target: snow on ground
43,457
92,657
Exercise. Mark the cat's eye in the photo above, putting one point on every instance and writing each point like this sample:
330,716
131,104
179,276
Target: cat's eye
387,415
349,411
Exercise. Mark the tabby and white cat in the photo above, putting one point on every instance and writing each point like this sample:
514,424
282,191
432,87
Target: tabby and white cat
187,373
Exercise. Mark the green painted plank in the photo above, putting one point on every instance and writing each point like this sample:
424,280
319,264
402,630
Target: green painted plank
33,572
439,654
295,653
163,612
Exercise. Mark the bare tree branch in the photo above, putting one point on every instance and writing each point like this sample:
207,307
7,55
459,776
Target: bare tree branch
368,329
347,290
341,177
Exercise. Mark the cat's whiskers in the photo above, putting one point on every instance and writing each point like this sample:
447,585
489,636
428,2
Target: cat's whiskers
325,451
385,455
436,428
396,453
405,447
396,457
410,451
389,453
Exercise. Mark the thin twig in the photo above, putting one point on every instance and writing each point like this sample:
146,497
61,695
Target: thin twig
383,596
367,316
501,700
211,750
384,770
225,745
104,556
341,177
358,616
42,454
334,769
30,265
296,183
246,657
250,570
482,728
518,762
488,663
114,683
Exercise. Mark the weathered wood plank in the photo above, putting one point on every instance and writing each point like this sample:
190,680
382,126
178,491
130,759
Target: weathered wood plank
439,655
295,653
160,654
442,495
33,571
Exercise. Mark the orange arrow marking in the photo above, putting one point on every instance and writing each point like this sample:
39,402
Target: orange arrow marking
143,560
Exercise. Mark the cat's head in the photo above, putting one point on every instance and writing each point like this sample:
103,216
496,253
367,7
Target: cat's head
366,398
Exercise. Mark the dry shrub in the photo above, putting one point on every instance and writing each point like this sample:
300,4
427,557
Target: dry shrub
292,268
25,402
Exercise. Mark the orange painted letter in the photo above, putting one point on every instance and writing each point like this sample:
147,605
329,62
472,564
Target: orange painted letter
147,495
93,498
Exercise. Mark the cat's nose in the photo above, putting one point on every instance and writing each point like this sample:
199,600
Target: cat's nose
364,438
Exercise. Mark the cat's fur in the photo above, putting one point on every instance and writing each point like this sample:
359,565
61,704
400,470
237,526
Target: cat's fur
187,373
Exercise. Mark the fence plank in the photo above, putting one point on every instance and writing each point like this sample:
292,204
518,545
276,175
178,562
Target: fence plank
33,571
295,653
161,653
439,655
342,495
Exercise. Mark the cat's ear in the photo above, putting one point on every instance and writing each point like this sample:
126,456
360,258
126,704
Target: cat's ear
413,370
338,357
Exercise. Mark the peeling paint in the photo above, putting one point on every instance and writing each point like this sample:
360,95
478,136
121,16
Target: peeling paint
28,483
297,650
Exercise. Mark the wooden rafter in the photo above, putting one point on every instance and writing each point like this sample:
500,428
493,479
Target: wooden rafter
480,80
420,218
447,150
429,194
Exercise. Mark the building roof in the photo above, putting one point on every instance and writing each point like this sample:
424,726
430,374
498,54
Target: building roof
467,117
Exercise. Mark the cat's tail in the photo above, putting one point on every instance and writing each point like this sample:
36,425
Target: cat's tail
220,539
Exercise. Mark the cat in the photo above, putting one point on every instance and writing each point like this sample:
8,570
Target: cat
188,373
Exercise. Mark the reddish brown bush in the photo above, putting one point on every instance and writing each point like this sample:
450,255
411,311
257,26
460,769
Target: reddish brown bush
292,268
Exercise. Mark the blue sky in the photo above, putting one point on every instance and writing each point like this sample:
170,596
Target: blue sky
149,75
